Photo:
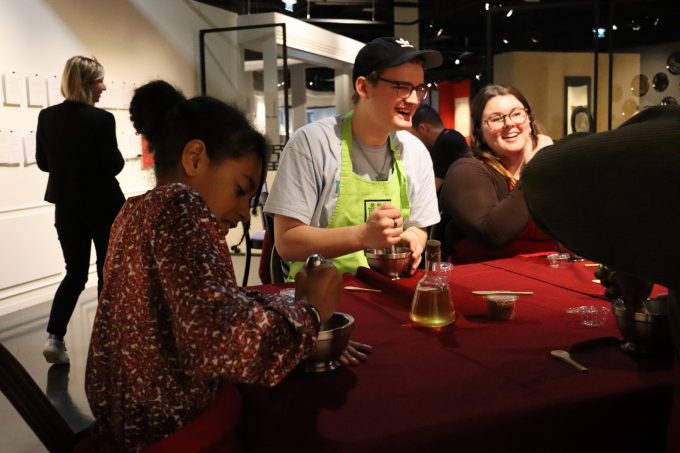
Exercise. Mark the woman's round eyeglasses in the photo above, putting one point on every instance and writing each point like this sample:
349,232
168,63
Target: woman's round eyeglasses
516,116
404,89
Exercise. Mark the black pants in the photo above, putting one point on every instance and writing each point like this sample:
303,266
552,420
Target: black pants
77,227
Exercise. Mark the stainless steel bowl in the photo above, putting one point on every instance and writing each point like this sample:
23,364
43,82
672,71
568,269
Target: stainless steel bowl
390,263
333,339
645,333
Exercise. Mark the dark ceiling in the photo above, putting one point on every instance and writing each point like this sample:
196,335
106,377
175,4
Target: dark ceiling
458,28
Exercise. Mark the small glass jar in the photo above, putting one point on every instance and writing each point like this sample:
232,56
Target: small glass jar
432,305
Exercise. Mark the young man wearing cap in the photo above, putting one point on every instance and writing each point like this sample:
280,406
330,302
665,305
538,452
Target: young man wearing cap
359,181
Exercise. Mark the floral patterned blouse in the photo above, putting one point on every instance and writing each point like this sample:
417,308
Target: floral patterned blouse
172,324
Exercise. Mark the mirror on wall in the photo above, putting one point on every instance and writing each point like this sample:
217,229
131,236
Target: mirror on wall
577,109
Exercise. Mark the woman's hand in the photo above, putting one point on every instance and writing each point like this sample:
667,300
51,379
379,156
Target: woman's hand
355,353
321,285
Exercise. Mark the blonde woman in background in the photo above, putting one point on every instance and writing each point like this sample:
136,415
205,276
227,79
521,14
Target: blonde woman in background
76,144
481,198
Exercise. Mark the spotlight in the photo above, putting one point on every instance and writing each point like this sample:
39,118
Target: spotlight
509,13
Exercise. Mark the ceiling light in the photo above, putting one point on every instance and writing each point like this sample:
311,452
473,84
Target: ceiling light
614,27
478,76
439,32
505,41
486,6
636,25
456,61
289,4
509,13
656,21
535,37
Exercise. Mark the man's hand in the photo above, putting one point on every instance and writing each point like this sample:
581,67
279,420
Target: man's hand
383,228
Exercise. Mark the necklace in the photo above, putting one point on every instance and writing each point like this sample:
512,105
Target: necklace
380,175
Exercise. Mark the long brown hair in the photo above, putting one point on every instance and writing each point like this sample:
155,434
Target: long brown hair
479,147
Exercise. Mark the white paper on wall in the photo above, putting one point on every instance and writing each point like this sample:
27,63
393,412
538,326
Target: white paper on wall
135,144
127,91
11,149
124,144
13,89
37,91
107,98
29,147
54,96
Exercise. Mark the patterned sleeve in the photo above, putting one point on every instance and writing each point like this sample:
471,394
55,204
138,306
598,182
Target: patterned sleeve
221,331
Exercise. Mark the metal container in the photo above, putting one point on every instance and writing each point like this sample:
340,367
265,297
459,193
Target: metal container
333,338
645,333
390,262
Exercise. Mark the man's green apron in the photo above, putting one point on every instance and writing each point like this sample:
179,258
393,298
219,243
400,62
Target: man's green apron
358,197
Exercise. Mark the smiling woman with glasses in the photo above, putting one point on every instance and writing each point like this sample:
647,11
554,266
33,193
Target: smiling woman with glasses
483,206
497,121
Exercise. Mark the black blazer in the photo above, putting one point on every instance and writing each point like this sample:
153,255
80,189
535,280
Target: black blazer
76,144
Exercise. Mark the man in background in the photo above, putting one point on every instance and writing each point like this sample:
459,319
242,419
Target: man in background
445,145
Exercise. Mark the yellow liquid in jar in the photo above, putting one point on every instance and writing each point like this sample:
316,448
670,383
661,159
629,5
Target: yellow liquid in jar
432,307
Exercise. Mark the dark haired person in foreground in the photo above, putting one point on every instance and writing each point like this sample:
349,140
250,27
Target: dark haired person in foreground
174,332
622,207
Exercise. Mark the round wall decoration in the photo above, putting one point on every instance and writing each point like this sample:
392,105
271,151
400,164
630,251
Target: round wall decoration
640,85
673,63
669,100
582,120
660,82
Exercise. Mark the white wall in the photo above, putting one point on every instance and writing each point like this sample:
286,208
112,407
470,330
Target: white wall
136,41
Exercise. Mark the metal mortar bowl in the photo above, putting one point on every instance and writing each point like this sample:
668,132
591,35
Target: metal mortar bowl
390,262
644,332
333,339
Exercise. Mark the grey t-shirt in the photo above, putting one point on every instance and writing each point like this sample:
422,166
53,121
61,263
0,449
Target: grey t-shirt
307,181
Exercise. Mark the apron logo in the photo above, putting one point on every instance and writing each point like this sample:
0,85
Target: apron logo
370,205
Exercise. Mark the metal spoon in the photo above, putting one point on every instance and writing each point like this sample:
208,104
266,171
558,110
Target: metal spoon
564,356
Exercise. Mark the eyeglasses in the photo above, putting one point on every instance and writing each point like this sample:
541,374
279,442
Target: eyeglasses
516,116
404,89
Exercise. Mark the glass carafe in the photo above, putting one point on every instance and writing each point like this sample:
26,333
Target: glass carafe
432,305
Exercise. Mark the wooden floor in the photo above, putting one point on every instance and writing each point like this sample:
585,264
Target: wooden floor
23,333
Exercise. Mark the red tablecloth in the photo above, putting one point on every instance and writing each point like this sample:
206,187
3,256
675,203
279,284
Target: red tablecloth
572,276
478,385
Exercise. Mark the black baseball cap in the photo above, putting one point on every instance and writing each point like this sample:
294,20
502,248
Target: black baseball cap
388,52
